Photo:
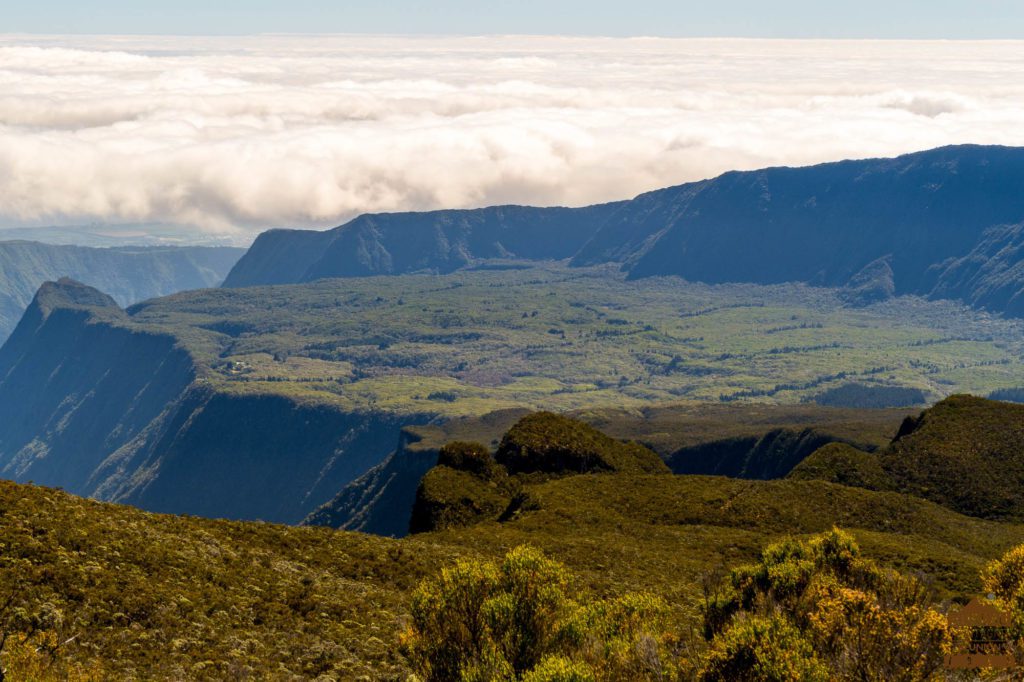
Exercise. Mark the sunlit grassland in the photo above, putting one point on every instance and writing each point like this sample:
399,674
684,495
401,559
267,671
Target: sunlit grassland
560,338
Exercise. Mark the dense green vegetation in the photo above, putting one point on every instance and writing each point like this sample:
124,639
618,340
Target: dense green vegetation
135,595
549,337
807,610
310,601
844,464
965,453
324,375
859,395
556,444
819,610
693,434
468,485
520,619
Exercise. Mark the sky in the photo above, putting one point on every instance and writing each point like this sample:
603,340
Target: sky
229,135
963,19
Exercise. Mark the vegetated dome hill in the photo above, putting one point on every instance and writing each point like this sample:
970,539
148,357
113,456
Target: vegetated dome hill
965,453
945,223
128,274
723,438
264,402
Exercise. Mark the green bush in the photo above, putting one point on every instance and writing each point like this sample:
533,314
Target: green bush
553,443
762,649
860,621
516,620
1004,579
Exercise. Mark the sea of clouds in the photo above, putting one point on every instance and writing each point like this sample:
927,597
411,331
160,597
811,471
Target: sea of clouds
235,135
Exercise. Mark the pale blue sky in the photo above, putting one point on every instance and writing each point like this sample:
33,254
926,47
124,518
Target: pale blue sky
748,18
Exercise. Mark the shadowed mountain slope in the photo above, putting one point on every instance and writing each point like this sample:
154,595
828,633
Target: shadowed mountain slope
825,224
438,241
943,223
102,406
128,274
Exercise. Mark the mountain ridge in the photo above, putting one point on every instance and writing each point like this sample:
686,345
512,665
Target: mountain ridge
127,274
943,223
392,243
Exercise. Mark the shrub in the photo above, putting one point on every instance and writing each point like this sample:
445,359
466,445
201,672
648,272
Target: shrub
762,649
859,620
516,620
553,443
1004,579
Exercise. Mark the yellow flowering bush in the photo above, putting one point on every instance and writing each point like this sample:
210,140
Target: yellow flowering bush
823,603
1004,579
515,620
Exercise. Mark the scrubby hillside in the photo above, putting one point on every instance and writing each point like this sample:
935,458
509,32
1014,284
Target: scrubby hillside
145,596
965,453
556,444
843,464
128,274
470,485
751,441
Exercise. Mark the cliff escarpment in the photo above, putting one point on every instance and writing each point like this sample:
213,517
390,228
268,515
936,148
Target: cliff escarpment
101,406
436,241
77,382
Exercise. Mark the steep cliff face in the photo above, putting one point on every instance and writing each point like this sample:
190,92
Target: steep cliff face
128,274
77,382
770,456
380,501
394,243
823,224
932,223
253,457
98,405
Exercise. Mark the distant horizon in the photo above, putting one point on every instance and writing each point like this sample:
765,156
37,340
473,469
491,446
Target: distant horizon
499,34
786,19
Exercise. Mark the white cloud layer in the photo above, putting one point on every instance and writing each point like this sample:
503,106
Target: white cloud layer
240,134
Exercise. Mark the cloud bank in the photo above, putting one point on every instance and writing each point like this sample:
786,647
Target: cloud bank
234,135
